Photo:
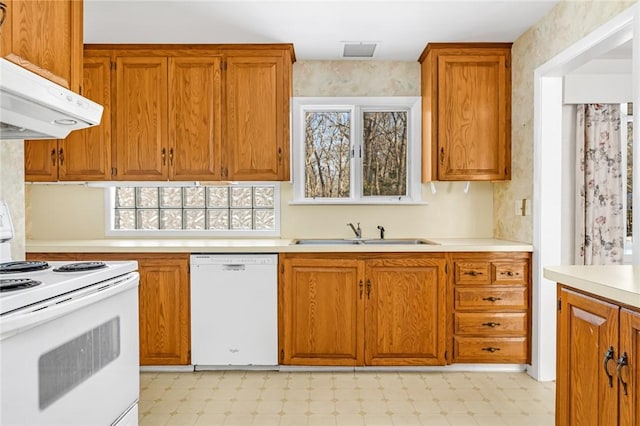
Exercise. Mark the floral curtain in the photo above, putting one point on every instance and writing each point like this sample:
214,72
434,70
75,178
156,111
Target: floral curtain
600,228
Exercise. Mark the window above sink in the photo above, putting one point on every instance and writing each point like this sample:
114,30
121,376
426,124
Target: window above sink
356,150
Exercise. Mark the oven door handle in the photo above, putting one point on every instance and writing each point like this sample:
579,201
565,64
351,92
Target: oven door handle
20,320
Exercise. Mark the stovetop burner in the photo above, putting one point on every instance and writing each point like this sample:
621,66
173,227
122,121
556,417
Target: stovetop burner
12,284
22,266
80,267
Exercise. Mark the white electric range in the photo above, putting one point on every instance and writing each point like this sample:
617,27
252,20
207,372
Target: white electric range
68,341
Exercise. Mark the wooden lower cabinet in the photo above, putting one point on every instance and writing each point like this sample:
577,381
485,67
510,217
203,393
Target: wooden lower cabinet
490,299
164,302
353,310
598,349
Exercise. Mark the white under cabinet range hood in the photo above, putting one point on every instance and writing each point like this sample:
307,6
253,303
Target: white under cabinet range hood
32,107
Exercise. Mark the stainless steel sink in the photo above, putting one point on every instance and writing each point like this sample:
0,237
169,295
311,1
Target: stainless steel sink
336,241
323,241
398,241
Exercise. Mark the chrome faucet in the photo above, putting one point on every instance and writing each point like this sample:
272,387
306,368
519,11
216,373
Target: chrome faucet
357,230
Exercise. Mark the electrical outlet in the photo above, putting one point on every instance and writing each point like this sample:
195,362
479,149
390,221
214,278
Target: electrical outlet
522,207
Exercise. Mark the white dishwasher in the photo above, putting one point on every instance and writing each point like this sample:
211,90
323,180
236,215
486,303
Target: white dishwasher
234,310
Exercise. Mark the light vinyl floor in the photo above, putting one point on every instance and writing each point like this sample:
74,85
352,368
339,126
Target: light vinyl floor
270,398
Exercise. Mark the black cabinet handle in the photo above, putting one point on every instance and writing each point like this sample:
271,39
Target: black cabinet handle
622,362
472,273
164,156
368,289
491,349
61,156
608,356
491,324
360,285
53,157
492,299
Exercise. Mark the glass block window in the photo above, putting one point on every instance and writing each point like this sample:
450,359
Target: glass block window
223,209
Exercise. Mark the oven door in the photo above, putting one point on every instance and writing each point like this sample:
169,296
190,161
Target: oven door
72,360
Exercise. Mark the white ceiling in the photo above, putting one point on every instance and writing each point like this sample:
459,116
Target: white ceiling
317,29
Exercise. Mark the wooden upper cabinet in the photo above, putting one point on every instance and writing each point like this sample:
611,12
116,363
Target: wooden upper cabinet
466,95
141,148
41,160
587,328
195,104
45,36
85,154
258,89
405,319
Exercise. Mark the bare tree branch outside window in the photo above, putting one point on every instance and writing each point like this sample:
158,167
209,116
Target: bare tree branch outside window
327,154
384,165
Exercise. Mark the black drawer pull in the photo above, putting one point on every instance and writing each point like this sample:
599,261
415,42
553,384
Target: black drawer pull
491,324
509,273
472,273
608,356
491,299
622,362
491,349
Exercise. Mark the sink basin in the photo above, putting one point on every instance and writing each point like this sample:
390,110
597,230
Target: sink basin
396,241
337,241
325,241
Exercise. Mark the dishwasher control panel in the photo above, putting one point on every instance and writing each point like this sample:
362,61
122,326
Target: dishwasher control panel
233,259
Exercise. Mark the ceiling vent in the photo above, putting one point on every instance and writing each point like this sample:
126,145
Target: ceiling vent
359,50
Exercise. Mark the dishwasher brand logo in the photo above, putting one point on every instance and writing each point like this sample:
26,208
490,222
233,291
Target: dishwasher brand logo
234,351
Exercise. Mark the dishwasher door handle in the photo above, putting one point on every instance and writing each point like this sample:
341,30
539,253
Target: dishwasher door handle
234,267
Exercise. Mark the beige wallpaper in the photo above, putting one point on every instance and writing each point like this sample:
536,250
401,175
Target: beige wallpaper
12,190
565,24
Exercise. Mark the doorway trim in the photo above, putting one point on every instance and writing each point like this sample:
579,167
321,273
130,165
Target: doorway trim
547,172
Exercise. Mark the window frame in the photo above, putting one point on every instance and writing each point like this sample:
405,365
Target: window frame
110,203
357,106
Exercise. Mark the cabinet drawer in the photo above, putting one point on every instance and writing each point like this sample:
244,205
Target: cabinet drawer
487,349
509,273
472,273
491,298
497,324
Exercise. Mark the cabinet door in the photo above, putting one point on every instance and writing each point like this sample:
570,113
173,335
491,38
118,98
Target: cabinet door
587,328
86,154
472,117
257,126
194,118
47,34
404,309
630,344
41,160
164,312
141,119
321,312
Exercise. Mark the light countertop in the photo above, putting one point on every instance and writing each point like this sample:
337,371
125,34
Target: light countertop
265,245
618,283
